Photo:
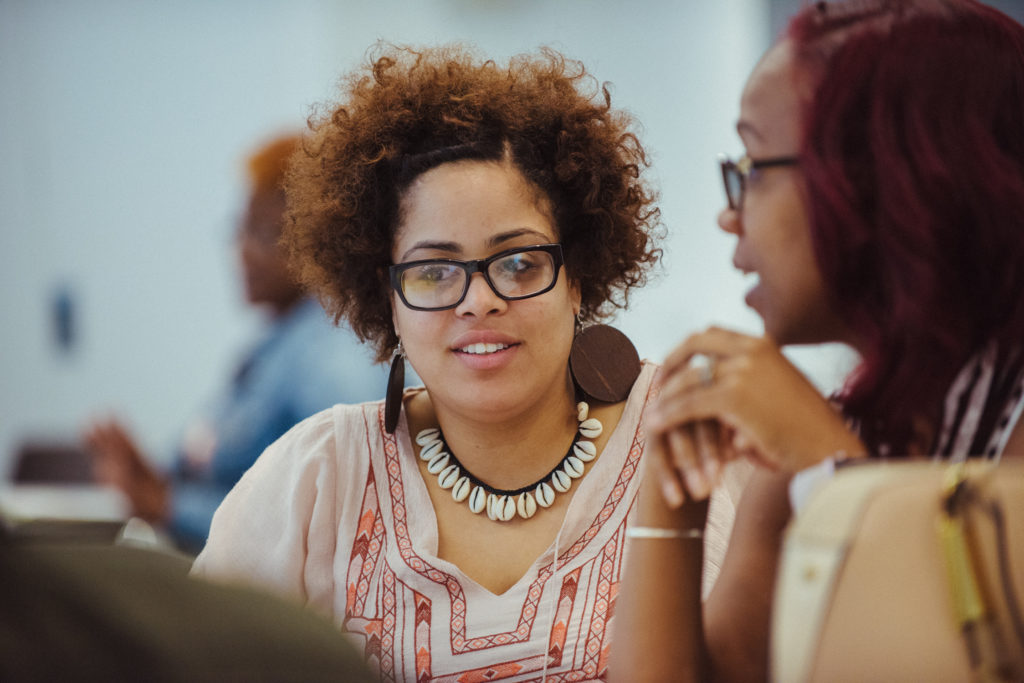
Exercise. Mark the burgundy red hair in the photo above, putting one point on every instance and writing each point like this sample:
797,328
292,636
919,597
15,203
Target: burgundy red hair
913,153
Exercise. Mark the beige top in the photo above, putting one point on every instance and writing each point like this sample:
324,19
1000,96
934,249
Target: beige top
337,515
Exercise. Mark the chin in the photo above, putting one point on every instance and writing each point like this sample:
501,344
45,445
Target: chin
781,333
798,336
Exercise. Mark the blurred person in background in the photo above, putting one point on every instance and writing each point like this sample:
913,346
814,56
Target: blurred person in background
302,365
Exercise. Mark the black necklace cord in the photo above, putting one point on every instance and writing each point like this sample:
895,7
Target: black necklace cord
476,481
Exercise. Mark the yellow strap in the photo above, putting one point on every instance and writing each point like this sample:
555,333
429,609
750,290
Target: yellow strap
968,603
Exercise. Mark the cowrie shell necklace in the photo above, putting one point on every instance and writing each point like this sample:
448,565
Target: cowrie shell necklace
502,505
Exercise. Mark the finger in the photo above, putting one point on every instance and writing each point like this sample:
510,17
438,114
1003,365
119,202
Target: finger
686,379
726,447
106,445
714,341
98,441
102,471
667,477
742,443
127,449
112,472
677,408
120,437
686,460
707,442
687,387
745,447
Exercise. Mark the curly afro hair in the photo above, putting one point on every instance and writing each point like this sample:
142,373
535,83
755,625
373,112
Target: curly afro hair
407,111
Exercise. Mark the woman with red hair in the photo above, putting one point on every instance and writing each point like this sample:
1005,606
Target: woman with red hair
879,203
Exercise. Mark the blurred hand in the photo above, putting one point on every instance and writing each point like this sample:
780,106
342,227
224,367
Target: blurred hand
749,402
119,462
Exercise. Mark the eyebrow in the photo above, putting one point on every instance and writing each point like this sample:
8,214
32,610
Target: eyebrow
493,241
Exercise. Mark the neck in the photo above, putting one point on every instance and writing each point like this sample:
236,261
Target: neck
280,308
518,450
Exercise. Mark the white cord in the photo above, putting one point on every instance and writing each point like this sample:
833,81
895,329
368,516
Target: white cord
553,610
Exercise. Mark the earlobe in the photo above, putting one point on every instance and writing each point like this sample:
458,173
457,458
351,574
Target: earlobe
394,314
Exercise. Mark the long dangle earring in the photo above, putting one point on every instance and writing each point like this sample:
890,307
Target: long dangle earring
503,505
396,386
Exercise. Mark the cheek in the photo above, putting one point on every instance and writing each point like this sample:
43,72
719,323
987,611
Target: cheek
422,339
411,325
778,230
555,325
279,266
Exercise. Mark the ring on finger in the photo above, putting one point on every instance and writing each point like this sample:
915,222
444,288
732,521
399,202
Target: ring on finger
707,365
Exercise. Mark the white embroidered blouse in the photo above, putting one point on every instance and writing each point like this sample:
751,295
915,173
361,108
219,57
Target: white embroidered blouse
337,515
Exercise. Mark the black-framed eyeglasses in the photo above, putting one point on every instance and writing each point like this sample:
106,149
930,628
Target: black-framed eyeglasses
440,283
735,174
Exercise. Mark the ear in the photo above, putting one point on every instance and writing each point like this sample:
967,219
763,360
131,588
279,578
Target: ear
576,296
395,303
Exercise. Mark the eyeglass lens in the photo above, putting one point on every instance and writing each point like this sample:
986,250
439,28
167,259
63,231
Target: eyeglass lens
442,284
733,185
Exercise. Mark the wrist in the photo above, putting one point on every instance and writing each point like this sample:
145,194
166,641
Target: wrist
844,448
652,510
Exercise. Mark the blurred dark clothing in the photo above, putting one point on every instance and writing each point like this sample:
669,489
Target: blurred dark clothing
89,611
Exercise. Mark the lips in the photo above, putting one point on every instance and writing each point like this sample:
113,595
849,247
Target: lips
485,350
750,275
482,342
740,265
481,348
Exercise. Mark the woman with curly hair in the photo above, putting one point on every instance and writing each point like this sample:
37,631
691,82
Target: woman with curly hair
471,219
879,203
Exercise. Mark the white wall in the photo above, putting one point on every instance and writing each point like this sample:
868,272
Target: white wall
124,122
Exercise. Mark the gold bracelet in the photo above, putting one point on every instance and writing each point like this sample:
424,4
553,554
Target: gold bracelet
656,532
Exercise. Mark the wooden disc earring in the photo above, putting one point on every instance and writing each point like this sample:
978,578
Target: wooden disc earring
604,363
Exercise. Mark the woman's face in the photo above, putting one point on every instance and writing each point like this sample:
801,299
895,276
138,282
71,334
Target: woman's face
471,210
264,264
772,226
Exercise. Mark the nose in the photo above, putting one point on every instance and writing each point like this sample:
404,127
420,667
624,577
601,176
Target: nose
729,221
480,299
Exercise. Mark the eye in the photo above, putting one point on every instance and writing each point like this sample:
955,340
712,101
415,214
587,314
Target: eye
517,266
432,274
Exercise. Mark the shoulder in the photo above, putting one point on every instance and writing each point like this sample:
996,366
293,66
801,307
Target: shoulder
283,512
648,372
644,388
306,443
320,439
302,465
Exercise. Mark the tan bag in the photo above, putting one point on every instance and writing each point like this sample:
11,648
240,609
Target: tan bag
904,572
